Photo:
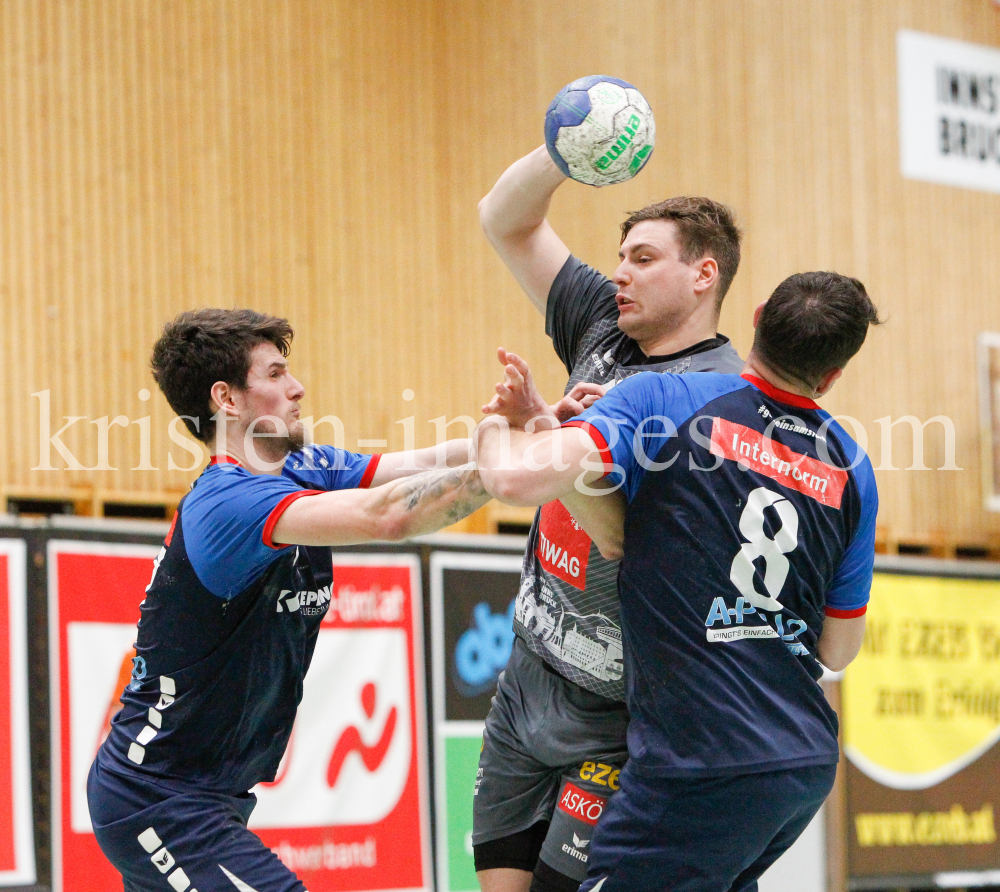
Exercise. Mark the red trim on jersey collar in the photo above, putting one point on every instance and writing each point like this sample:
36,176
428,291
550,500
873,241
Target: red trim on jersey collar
845,614
223,460
277,511
366,480
599,441
782,396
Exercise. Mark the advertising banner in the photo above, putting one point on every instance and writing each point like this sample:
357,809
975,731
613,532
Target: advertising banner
949,111
472,611
17,846
95,589
348,809
921,714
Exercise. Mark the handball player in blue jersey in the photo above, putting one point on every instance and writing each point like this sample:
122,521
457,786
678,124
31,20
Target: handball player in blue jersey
748,554
555,737
230,617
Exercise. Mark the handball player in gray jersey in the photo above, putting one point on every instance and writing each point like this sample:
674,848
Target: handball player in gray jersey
555,736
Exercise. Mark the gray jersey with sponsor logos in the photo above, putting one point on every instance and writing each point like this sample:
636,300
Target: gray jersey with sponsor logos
567,608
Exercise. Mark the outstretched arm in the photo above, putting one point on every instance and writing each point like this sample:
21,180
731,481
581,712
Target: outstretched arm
513,217
450,454
409,507
525,469
602,512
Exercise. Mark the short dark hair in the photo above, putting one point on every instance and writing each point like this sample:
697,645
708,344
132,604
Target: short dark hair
201,347
704,227
813,323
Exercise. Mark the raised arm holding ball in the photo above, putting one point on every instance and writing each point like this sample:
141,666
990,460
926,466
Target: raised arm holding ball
555,737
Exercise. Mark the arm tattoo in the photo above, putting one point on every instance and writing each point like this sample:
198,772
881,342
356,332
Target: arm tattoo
463,485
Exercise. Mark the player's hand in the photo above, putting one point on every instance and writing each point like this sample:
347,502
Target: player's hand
582,396
517,399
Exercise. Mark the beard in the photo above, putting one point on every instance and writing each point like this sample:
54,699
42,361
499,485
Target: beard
294,442
296,438
269,449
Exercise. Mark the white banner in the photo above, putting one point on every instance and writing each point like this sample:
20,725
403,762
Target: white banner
17,845
949,111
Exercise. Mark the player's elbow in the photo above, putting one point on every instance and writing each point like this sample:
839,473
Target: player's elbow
394,529
388,524
831,662
835,660
502,232
509,487
487,217
611,550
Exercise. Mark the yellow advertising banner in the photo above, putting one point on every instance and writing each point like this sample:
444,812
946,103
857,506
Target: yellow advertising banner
921,717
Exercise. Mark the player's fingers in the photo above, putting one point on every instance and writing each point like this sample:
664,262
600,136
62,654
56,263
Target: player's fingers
584,388
589,400
513,377
518,363
566,409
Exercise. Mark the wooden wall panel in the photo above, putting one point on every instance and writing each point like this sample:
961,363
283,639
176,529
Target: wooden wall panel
322,159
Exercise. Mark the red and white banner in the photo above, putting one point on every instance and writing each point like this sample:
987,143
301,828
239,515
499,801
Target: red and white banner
95,589
349,807
17,846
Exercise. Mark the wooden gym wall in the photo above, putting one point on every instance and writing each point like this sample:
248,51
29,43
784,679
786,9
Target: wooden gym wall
322,160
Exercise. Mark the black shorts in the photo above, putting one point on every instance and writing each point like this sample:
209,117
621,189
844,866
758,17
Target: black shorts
183,843
702,834
552,752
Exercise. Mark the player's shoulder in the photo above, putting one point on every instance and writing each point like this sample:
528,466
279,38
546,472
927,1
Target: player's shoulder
855,459
329,468
722,358
575,275
228,488
314,457
696,389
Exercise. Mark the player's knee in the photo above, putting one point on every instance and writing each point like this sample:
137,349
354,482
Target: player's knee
548,879
518,851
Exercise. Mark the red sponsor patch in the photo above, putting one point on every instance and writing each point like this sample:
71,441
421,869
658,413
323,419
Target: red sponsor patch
586,807
806,475
563,548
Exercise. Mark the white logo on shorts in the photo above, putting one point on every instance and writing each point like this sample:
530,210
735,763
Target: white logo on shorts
236,881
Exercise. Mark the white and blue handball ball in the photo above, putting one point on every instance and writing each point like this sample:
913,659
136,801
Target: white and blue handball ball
599,130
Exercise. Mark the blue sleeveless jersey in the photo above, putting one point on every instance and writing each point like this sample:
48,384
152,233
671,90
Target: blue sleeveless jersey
227,631
751,517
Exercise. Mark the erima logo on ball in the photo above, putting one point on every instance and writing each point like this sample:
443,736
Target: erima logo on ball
624,141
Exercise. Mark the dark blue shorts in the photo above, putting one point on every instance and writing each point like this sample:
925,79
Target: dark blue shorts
701,834
190,842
